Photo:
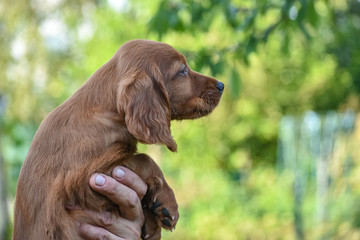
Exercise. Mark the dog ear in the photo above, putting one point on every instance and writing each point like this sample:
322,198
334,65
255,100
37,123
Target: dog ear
147,109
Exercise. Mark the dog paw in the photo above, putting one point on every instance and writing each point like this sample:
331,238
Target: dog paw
167,216
160,210
156,217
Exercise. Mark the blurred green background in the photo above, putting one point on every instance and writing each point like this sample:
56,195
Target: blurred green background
278,158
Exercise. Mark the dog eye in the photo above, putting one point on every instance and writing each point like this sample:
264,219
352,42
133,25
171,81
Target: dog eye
183,71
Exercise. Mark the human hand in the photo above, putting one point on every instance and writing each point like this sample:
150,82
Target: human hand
126,190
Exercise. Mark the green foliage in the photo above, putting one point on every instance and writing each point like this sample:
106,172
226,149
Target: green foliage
275,57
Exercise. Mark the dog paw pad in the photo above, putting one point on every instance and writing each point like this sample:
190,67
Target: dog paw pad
165,212
166,222
155,205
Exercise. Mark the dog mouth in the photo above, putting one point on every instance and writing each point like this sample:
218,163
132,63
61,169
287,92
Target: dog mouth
210,98
198,107
207,103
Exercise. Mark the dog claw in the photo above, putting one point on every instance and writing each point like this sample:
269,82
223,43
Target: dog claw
165,212
166,222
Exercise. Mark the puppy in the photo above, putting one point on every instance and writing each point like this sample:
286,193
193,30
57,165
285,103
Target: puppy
130,99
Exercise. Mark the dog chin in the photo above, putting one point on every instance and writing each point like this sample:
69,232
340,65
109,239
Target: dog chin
192,114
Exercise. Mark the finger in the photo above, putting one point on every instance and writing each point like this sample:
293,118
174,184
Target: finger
130,179
115,224
90,232
126,198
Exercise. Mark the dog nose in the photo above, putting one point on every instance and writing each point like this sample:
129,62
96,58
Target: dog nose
220,86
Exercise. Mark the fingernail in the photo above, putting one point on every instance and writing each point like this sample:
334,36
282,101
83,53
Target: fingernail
99,180
77,224
119,173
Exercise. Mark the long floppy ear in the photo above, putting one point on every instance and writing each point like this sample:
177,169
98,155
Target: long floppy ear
147,109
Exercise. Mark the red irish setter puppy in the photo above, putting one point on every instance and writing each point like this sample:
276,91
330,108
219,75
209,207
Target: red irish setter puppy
131,98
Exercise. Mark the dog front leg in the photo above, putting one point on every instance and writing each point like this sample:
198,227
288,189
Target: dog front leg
159,204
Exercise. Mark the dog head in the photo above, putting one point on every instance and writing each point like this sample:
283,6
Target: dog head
156,85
